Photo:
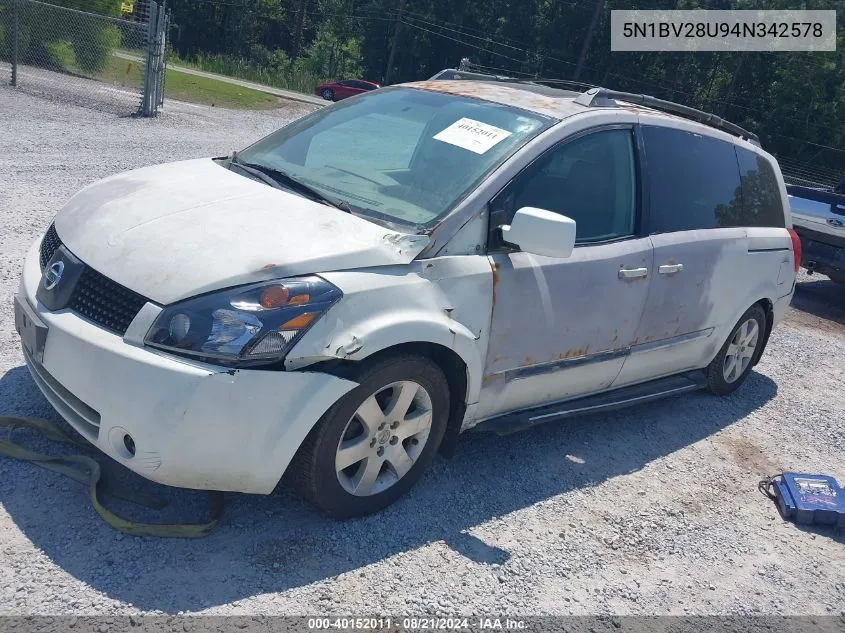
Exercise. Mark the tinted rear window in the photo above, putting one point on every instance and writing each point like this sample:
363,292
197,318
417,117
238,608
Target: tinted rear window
761,201
694,181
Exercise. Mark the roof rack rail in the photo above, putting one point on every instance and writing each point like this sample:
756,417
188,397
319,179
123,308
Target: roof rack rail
600,96
449,74
578,86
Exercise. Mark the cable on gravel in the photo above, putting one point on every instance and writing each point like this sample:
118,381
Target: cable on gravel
86,470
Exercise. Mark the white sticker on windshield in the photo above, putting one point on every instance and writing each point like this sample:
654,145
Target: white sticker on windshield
473,135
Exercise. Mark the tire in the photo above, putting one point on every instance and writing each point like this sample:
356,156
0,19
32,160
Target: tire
725,376
327,94
342,492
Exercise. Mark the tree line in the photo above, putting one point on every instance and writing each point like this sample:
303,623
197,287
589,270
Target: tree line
794,101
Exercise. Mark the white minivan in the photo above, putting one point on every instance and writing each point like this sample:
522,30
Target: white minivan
341,299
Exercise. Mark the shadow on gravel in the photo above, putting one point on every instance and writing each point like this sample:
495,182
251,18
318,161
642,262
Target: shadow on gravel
820,297
836,534
270,544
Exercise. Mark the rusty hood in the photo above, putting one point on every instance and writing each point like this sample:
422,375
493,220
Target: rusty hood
176,230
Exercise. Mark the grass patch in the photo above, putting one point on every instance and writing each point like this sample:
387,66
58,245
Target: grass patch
190,88
122,72
284,76
195,89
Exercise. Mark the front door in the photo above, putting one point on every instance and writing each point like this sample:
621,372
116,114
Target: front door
562,327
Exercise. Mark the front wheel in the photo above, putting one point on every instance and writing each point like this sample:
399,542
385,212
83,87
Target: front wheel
327,94
732,364
374,444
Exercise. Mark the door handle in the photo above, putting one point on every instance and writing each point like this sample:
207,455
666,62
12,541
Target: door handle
632,273
670,269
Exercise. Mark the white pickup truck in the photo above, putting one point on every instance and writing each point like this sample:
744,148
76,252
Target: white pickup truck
818,217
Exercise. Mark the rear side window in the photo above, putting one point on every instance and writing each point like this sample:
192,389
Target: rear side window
694,181
761,201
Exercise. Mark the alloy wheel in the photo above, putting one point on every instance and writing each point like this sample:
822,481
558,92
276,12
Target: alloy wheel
740,350
384,438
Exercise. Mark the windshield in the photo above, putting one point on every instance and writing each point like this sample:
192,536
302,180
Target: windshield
398,154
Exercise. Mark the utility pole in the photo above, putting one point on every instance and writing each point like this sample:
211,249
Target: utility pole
391,56
591,30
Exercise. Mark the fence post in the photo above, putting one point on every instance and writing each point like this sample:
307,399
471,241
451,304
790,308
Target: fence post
165,32
161,34
15,37
148,104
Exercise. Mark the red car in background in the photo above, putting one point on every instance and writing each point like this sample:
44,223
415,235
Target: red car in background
337,90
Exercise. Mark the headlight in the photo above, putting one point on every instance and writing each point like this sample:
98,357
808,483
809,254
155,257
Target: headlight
245,325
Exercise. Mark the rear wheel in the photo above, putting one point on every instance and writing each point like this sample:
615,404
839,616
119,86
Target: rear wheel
732,364
374,444
327,94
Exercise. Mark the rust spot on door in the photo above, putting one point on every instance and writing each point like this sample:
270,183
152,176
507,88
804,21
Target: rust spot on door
574,352
494,267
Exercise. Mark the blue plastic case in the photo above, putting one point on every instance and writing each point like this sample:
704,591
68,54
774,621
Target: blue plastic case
810,499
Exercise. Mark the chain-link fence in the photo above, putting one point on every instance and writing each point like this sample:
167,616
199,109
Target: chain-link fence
79,57
815,176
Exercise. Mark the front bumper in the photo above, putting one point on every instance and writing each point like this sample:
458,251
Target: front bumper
193,425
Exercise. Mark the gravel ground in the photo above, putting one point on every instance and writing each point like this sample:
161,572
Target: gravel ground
65,88
652,510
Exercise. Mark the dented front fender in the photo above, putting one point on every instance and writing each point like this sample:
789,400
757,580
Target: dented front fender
446,301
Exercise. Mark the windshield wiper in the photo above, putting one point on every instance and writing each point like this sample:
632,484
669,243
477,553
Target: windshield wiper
275,177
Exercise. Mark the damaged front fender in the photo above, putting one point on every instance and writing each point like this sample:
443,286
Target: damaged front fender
444,301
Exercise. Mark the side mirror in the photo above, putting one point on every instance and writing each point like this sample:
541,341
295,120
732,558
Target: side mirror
541,232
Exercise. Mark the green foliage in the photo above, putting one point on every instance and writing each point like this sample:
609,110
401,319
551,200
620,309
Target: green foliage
329,56
794,101
276,71
59,55
51,37
100,7
95,48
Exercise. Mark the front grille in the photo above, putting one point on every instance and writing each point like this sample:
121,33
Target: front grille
49,244
95,296
105,302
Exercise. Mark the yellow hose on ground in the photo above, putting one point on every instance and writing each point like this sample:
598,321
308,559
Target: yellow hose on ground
87,471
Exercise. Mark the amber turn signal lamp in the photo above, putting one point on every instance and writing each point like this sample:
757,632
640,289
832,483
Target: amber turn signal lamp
299,322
